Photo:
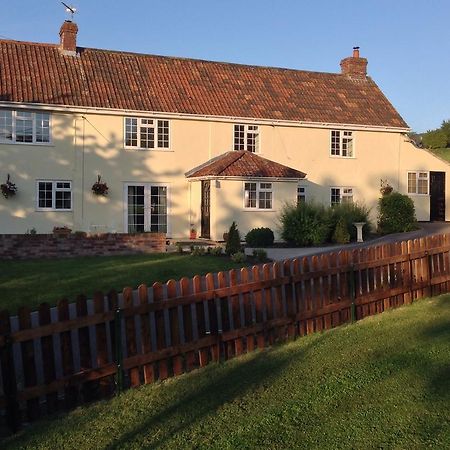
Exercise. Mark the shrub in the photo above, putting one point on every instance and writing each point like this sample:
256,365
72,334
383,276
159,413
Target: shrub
216,251
341,234
305,224
198,251
238,257
396,214
260,237
234,240
260,254
435,139
350,213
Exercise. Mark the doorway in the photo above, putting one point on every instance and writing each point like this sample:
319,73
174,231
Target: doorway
437,196
205,209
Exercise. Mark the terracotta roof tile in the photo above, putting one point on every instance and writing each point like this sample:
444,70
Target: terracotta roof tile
40,73
243,164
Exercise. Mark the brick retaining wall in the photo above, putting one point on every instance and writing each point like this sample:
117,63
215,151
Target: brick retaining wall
26,246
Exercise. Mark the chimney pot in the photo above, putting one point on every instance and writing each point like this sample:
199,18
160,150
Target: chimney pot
355,52
68,37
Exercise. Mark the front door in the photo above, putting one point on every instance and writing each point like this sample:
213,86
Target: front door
205,209
146,208
437,196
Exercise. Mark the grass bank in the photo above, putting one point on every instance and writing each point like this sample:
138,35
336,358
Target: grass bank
42,280
383,382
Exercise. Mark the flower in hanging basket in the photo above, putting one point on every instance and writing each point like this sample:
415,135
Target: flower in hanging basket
386,188
9,188
100,187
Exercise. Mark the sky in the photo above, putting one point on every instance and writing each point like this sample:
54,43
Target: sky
407,42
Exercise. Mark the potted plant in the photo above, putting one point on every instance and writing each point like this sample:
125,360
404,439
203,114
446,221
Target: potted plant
193,232
61,231
100,187
9,188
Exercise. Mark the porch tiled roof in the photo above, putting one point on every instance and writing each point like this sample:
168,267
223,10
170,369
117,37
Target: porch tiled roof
244,164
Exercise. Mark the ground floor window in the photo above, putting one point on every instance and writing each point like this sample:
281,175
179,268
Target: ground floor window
341,195
418,183
54,195
258,195
146,208
301,194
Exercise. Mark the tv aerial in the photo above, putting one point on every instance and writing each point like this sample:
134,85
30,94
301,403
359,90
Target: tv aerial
70,10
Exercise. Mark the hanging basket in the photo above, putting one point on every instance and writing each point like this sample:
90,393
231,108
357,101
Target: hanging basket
9,189
100,187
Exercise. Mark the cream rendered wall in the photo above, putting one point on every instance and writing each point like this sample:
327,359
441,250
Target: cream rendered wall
88,144
227,204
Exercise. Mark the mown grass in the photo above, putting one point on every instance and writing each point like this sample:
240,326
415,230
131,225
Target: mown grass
383,382
443,153
35,281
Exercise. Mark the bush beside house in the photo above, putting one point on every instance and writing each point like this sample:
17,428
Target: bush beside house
396,214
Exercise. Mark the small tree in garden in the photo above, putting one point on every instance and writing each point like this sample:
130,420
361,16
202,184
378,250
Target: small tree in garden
396,214
341,234
234,240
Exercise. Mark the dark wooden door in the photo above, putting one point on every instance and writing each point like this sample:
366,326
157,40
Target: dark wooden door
205,207
437,196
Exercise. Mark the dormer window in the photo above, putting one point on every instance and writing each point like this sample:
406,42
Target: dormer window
342,144
146,134
246,137
24,127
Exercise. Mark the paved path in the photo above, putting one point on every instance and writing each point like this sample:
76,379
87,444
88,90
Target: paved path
425,230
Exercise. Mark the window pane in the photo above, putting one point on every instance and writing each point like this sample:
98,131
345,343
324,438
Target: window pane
335,196
42,124
239,137
265,200
136,209
131,132
301,194
24,126
163,134
158,209
412,183
335,142
45,194
422,186
250,195
6,127
62,200
147,133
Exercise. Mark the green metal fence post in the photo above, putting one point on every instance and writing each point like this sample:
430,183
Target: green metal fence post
118,354
352,292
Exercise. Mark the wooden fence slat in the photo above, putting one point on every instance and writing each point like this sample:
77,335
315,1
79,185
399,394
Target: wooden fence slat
201,322
158,296
259,307
28,362
188,324
212,309
146,338
48,358
13,418
236,313
177,361
130,337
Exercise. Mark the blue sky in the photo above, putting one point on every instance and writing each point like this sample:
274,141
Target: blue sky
407,42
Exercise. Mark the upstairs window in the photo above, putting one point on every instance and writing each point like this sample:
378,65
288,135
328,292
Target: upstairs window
418,183
54,195
258,195
146,133
342,144
341,195
24,127
301,194
246,137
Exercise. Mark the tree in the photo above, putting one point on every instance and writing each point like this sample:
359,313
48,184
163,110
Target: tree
435,139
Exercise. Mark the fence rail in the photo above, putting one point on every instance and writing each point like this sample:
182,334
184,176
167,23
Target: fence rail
58,357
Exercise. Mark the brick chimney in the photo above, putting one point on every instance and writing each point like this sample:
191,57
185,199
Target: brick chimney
354,66
68,37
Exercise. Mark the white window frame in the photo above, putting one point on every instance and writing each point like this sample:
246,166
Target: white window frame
258,191
342,136
33,118
342,193
418,177
147,192
304,193
54,190
139,124
246,132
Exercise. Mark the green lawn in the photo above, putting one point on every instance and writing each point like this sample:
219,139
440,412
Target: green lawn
35,281
443,153
383,382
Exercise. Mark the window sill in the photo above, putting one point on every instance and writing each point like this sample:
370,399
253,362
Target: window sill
29,144
52,210
136,149
258,209
417,195
342,157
